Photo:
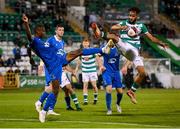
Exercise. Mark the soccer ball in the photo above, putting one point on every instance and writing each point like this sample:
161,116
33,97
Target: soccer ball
131,32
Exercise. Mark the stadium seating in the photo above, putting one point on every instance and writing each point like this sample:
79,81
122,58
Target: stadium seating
170,9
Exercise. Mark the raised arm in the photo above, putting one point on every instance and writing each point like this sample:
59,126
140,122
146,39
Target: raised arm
27,28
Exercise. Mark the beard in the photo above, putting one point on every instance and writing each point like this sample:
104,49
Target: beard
132,22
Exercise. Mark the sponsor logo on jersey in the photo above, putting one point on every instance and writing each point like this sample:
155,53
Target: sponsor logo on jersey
60,52
112,60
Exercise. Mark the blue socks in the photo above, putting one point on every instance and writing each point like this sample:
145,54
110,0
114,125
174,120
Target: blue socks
52,105
90,51
51,100
119,97
108,100
43,96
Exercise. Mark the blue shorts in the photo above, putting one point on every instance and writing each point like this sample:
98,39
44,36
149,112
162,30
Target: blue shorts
56,72
113,79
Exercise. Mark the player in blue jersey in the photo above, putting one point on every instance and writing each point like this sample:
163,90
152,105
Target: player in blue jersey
53,59
59,44
111,77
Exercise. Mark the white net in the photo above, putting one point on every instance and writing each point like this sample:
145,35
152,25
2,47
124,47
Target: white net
154,65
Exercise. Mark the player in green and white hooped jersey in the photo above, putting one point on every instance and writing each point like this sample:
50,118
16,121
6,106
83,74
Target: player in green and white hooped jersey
134,44
89,72
129,44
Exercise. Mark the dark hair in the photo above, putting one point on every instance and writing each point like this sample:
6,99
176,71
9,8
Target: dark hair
86,39
135,9
59,25
38,26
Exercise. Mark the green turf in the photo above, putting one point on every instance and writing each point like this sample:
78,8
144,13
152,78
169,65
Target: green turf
155,108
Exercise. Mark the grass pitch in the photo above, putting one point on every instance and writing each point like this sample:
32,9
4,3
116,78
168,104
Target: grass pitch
156,108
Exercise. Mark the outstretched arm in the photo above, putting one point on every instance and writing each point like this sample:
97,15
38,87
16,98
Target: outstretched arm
119,27
27,28
155,40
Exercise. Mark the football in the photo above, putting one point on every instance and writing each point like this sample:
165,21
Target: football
131,32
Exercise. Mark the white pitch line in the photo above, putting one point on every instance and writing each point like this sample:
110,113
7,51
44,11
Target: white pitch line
90,122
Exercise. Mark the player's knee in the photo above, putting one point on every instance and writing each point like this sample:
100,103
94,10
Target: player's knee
109,89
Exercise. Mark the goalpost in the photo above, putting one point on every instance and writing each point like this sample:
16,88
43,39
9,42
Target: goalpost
154,65
159,69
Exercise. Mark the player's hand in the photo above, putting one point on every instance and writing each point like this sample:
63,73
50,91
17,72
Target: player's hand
164,45
25,18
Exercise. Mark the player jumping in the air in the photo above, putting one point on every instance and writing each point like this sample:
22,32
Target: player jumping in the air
129,44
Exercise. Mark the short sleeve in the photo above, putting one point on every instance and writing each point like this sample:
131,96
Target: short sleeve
144,29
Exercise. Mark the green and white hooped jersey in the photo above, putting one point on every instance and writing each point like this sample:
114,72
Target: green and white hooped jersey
140,29
88,63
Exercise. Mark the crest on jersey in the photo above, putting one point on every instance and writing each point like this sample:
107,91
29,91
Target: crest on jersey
46,44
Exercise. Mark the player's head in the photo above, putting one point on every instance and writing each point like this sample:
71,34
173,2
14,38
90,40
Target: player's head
59,31
40,30
86,43
133,14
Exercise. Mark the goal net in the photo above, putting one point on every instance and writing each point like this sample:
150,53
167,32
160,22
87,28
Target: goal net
154,65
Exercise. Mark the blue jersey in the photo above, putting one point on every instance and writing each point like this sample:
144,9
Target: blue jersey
52,58
58,44
111,76
59,49
111,61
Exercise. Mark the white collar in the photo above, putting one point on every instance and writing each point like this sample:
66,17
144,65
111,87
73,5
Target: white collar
56,38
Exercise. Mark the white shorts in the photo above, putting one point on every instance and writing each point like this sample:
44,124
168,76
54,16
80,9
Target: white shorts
86,77
124,47
64,80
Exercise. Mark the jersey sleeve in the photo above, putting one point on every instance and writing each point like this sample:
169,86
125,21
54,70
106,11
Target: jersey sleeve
50,41
122,23
144,29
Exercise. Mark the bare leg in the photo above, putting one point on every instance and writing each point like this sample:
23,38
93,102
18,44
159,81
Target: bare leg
94,84
73,54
